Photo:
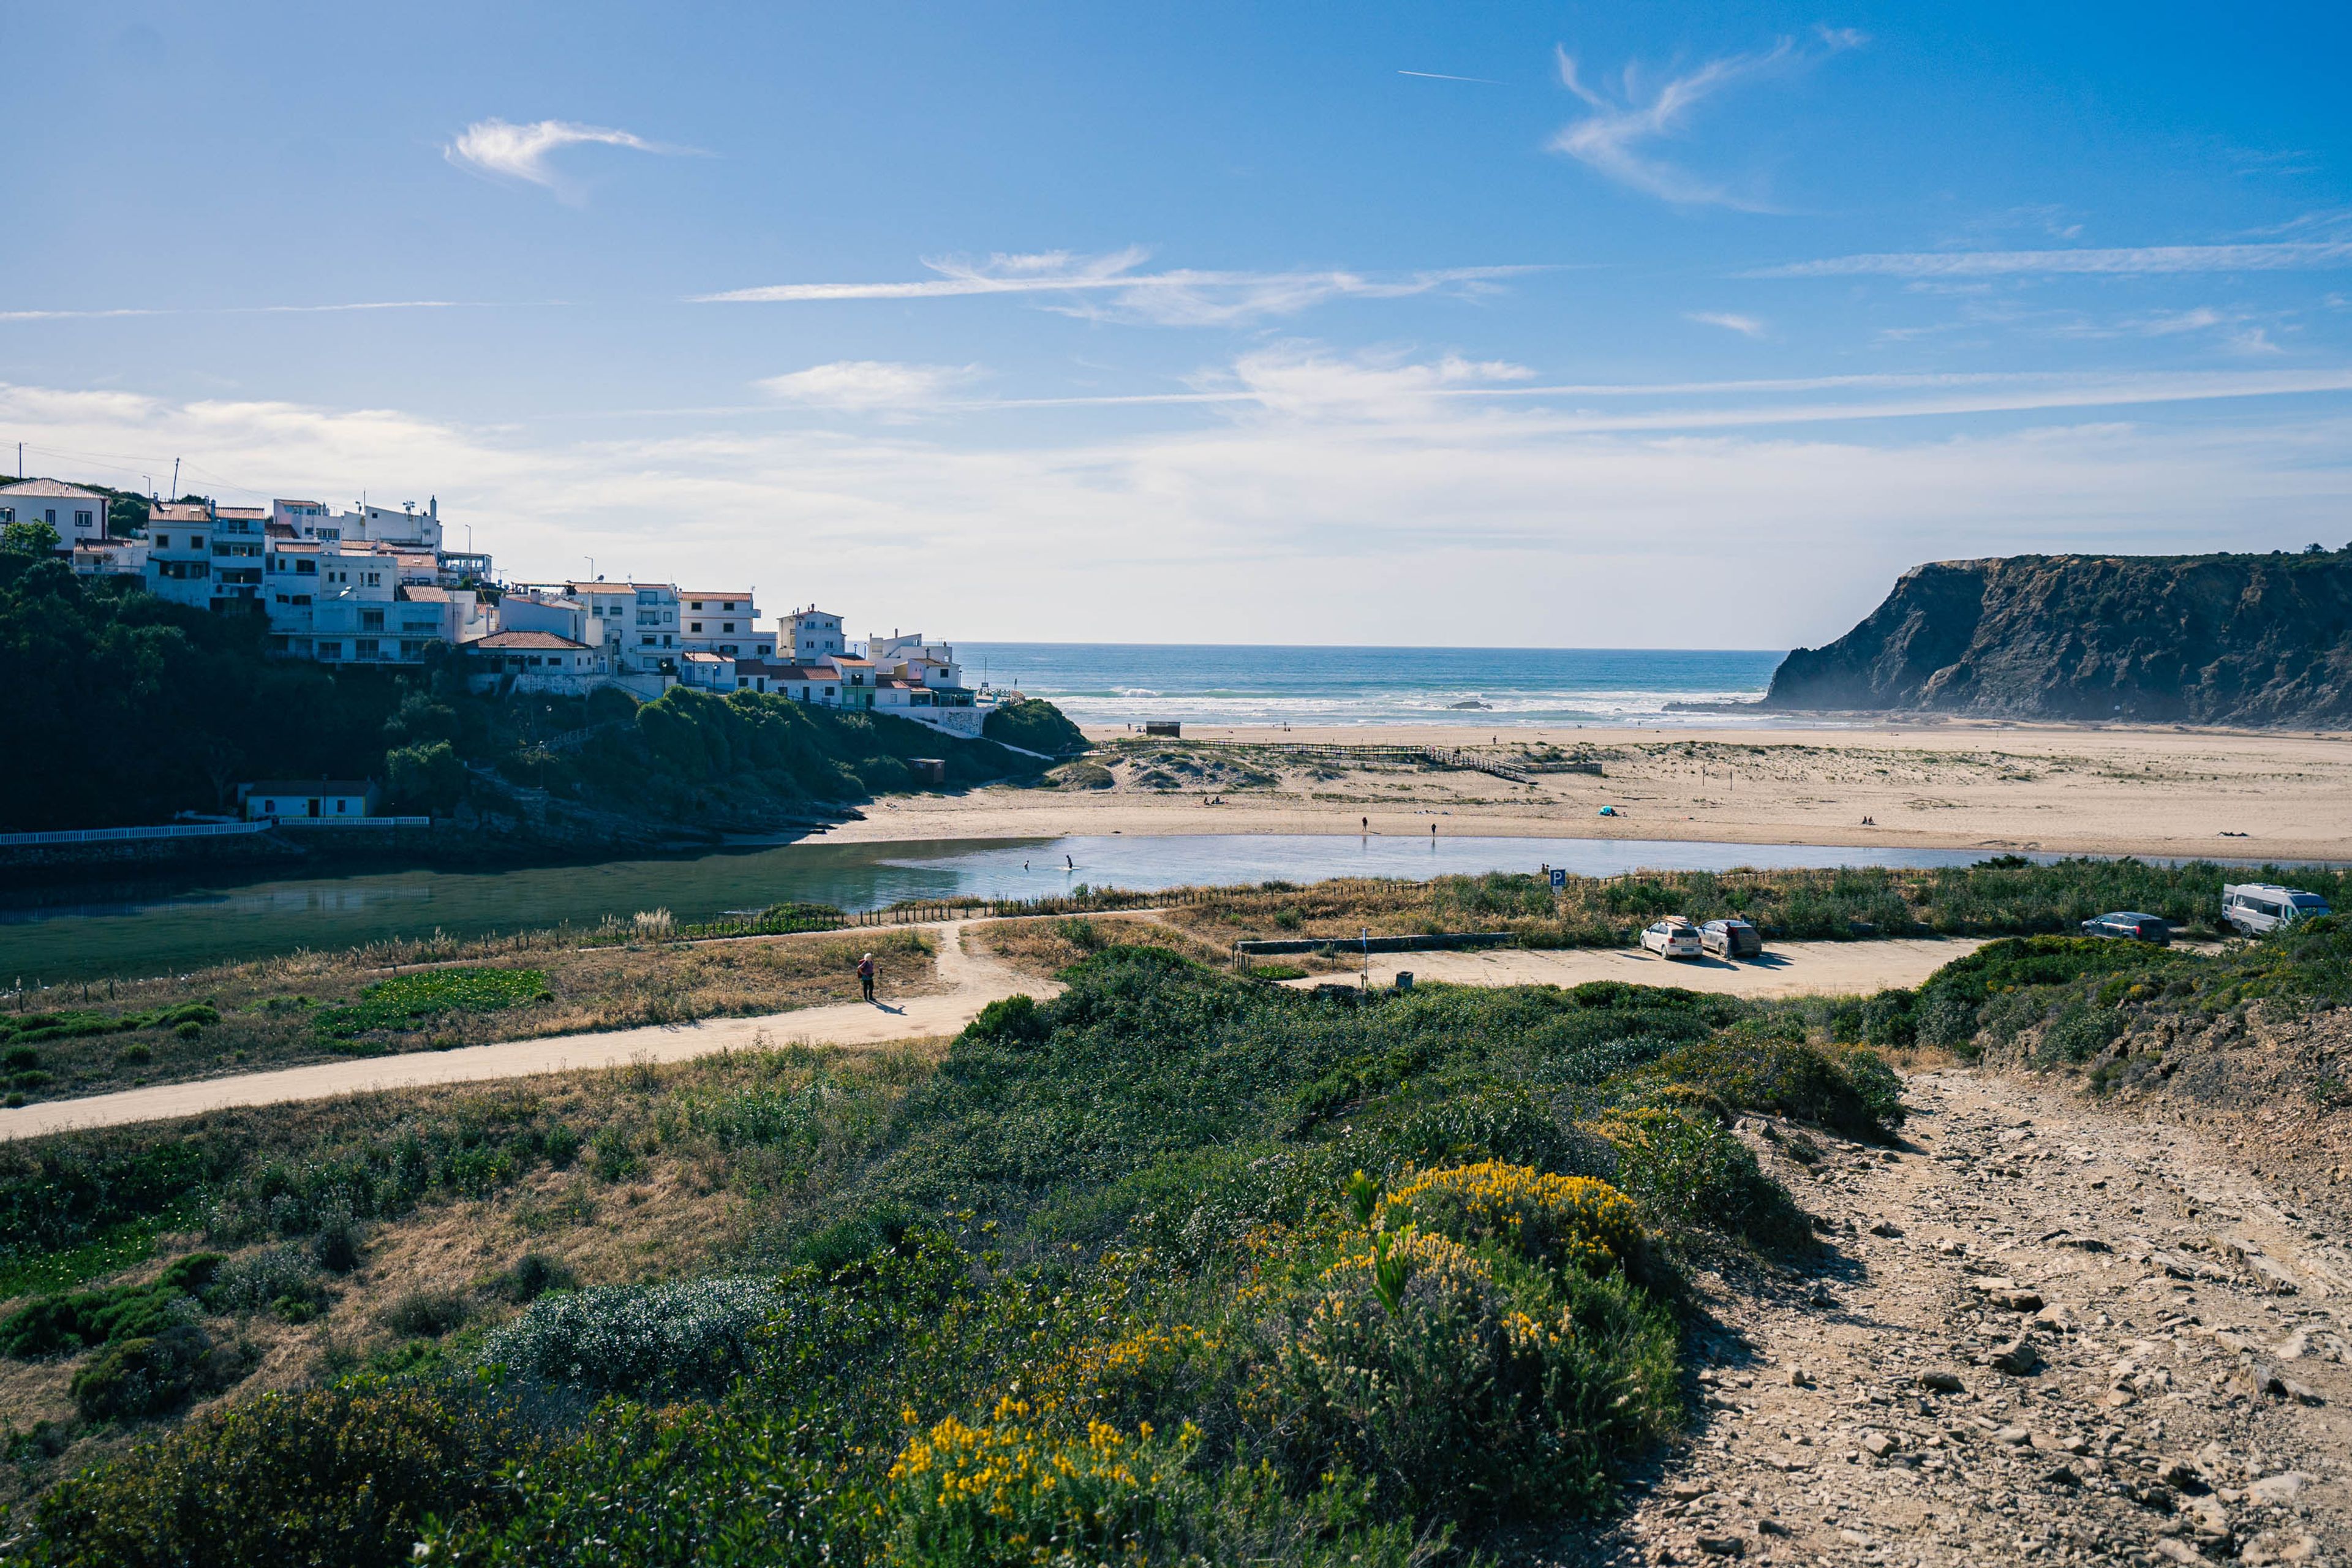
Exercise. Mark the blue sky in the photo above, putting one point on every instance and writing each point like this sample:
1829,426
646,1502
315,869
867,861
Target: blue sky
1558,325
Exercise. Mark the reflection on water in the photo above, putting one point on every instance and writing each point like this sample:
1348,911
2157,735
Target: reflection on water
185,928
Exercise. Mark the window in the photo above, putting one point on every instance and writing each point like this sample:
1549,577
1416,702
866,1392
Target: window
375,579
196,542
81,520
301,567
331,650
698,627
646,640
370,620
364,648
728,627
341,806
162,541
696,605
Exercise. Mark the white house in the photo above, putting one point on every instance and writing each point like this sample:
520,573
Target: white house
811,634
79,515
179,551
709,671
547,610
114,558
301,799
536,661
816,683
239,544
721,622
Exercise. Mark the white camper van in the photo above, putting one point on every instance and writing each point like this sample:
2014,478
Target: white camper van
2257,909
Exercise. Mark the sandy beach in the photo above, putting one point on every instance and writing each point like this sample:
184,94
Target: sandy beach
1955,784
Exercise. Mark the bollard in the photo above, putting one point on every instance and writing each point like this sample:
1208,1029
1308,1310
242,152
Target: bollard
1404,980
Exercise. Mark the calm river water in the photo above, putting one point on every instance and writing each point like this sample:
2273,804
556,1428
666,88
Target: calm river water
53,935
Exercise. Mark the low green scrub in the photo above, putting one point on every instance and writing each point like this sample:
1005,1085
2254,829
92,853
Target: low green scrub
22,1031
1172,1267
414,1001
58,1324
1034,726
349,1475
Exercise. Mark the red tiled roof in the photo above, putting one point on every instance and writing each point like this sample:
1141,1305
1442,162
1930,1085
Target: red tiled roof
498,640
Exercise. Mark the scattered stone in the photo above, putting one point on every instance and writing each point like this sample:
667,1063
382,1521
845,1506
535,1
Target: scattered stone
2282,1488
1688,1491
2301,1392
2182,1475
2177,1551
1772,1527
2018,1358
2016,1300
2063,1476
1878,1445
2257,1381
1885,1228
1942,1381
1800,1378
2015,1436
2294,1347
1723,1545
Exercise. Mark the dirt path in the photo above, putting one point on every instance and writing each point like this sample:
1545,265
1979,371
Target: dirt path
968,980
1789,969
2048,1335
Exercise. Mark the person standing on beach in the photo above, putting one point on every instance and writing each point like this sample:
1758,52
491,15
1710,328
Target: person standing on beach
866,975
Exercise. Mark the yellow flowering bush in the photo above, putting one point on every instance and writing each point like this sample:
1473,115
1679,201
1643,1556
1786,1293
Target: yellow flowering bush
1009,1491
1471,1387
1690,1170
1562,1222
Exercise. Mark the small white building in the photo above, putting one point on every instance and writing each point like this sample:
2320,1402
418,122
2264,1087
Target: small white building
707,671
810,635
114,558
820,684
239,544
302,799
537,661
79,515
549,610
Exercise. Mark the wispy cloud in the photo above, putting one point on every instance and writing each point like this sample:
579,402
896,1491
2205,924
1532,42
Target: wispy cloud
1614,140
1746,326
240,309
1181,297
864,385
521,152
2130,261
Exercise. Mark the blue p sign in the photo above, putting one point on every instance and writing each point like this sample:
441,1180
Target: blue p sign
1558,878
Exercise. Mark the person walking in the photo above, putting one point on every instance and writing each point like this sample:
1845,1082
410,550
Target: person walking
866,975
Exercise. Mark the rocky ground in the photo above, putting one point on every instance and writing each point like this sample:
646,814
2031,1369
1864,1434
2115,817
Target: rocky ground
2043,1332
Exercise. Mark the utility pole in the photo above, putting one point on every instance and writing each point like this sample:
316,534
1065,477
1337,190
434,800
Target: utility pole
175,478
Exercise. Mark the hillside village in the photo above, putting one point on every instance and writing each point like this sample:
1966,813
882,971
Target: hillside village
379,586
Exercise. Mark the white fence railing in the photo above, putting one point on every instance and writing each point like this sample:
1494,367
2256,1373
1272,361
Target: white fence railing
114,835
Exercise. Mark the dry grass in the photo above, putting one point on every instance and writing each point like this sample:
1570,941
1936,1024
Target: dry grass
1045,948
266,1006
705,1184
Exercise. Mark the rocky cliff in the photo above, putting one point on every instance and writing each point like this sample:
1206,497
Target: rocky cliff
2193,639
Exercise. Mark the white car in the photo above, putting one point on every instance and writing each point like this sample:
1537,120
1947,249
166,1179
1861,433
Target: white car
1673,938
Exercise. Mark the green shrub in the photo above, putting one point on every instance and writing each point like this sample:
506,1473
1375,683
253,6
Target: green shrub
660,1340
1465,1390
335,1477
259,1280
135,1378
534,1274
56,1324
413,1001
425,1315
1688,1172
1847,1090
1032,725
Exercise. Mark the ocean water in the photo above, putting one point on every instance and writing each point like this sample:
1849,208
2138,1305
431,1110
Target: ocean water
1115,683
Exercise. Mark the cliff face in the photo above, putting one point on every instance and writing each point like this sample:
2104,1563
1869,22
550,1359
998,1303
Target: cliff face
2190,640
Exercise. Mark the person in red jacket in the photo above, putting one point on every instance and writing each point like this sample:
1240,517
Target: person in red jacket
866,975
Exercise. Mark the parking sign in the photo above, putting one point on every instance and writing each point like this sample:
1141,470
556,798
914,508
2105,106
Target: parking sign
1558,878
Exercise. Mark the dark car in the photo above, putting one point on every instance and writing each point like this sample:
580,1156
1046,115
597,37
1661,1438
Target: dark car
2132,926
1730,938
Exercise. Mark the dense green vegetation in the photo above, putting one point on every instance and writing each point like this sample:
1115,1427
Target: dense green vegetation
1034,726
2001,897
139,709
1173,1268
407,1001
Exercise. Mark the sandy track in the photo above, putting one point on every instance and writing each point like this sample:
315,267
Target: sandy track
1787,969
968,981
2189,1401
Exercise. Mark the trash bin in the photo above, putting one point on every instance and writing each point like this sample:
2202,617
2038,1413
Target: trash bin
1404,980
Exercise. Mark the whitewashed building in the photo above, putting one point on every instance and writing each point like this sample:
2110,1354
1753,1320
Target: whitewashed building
722,622
810,635
79,515
537,661
179,553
